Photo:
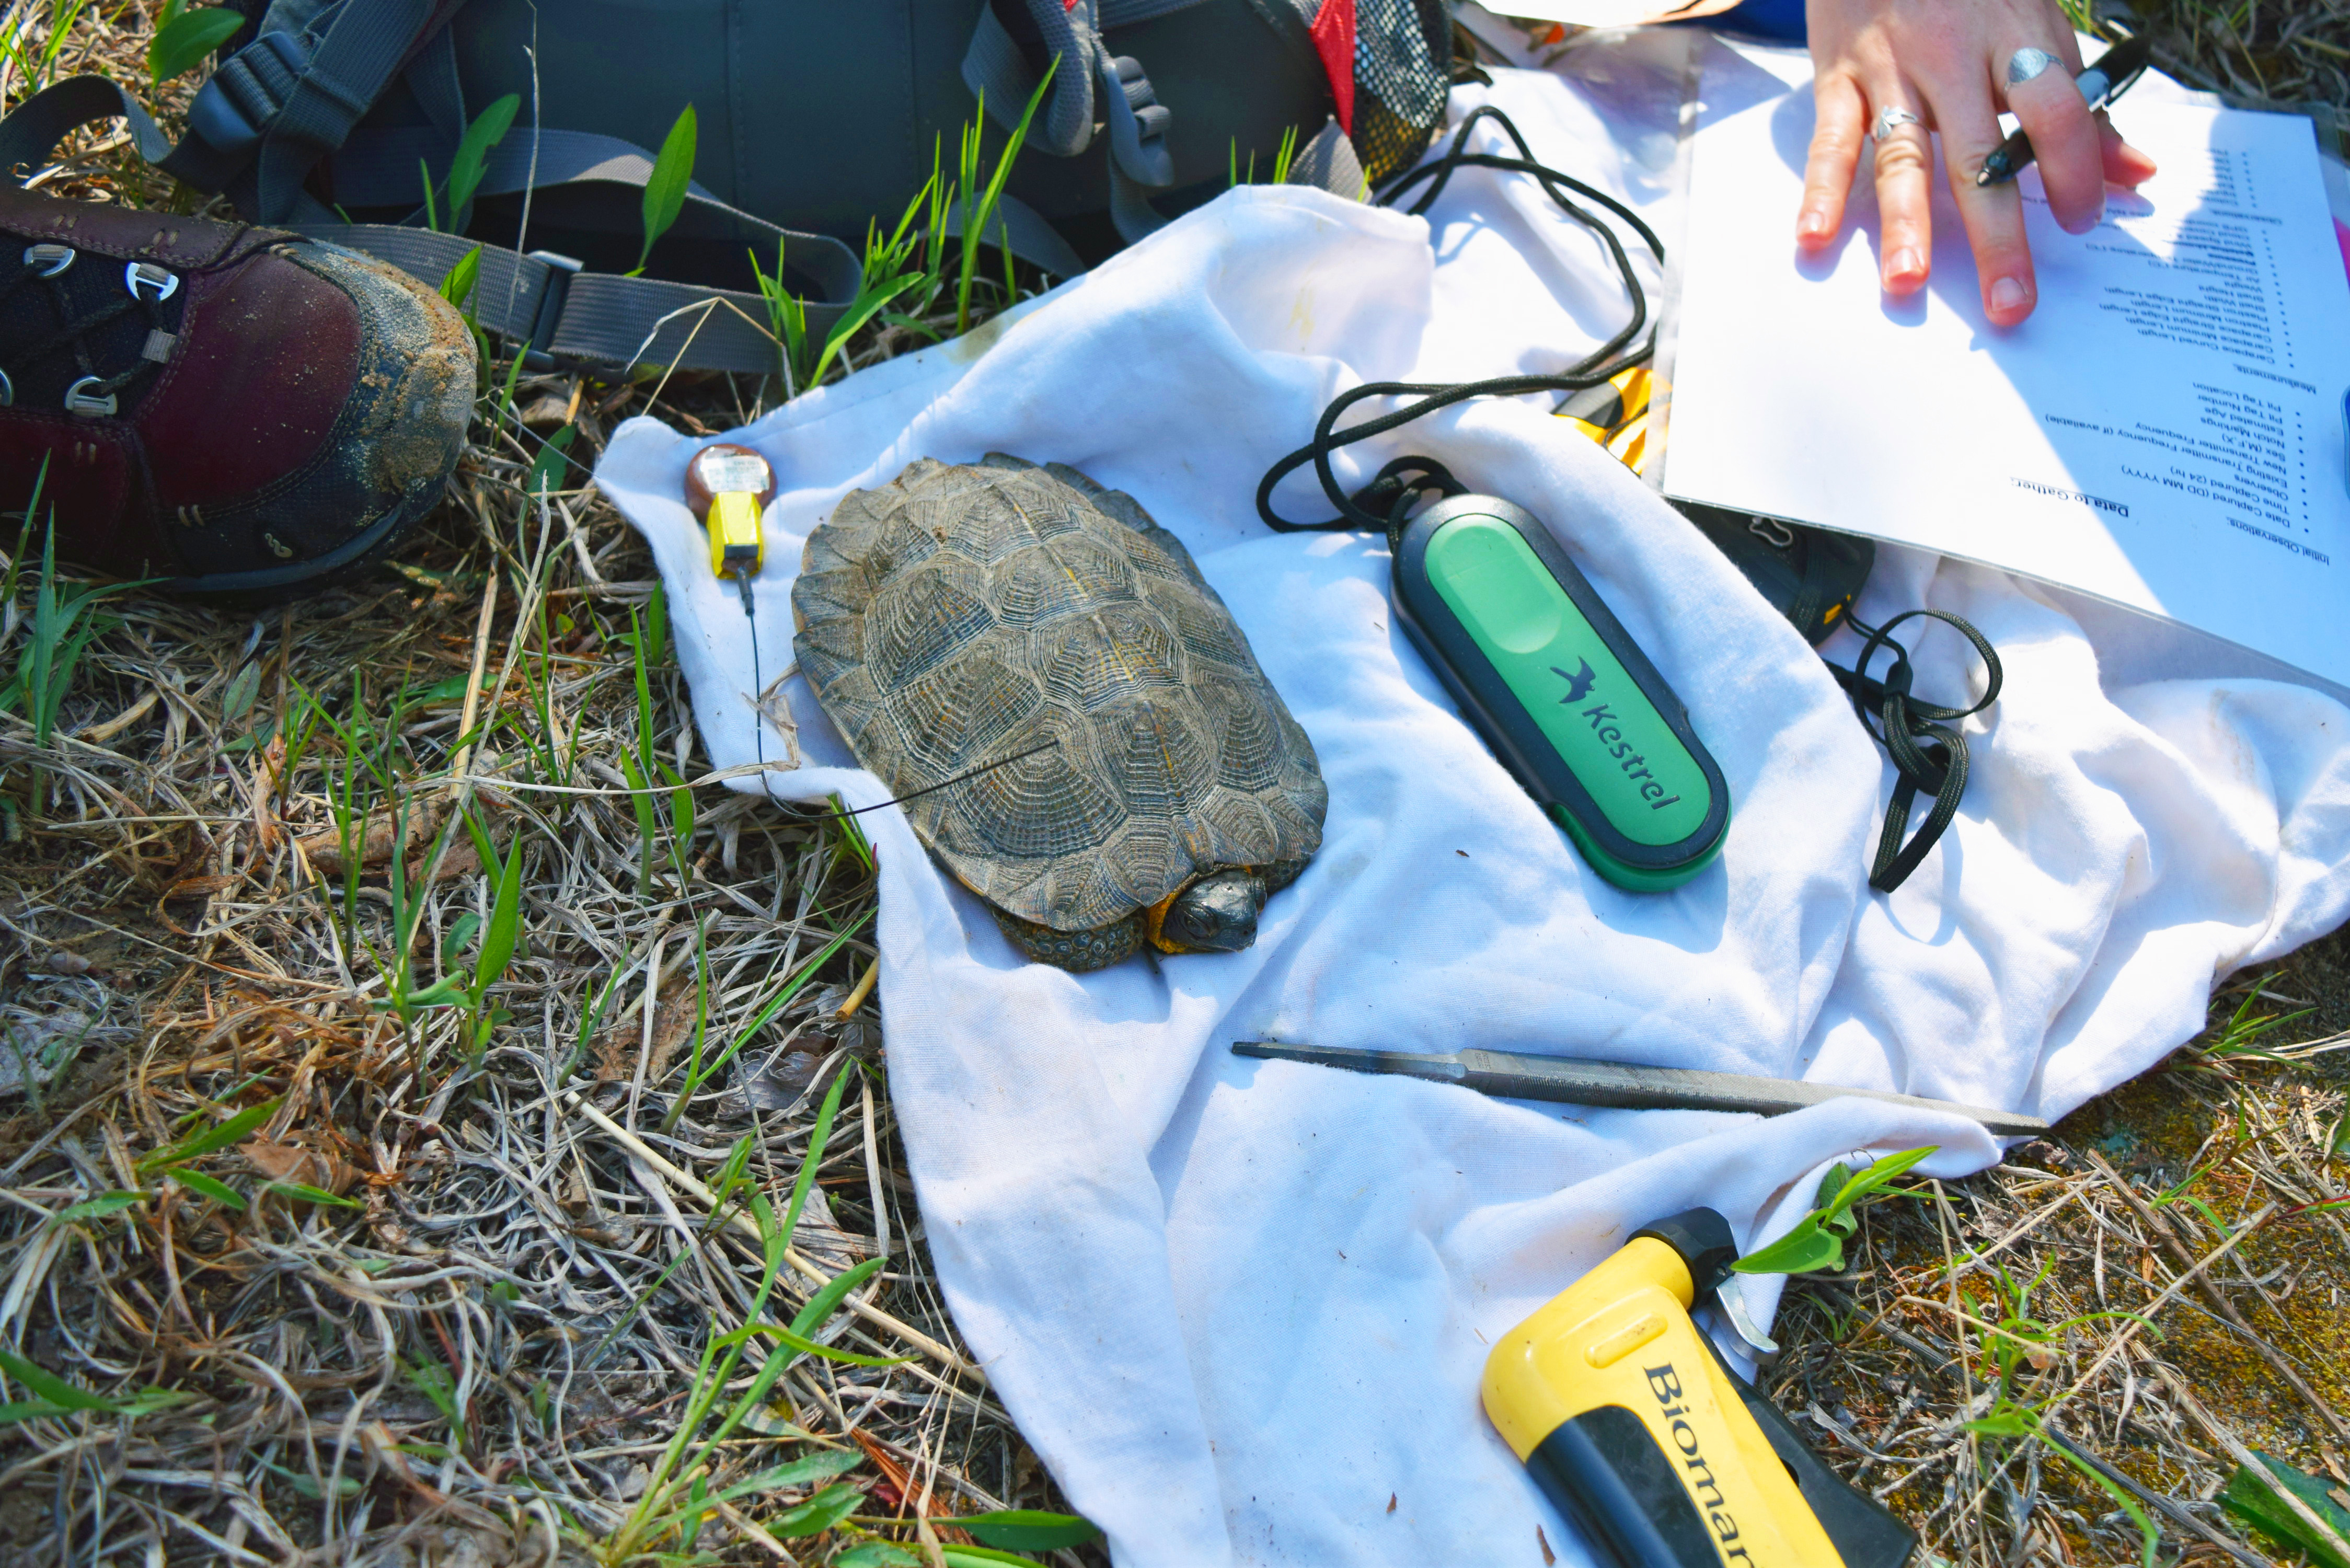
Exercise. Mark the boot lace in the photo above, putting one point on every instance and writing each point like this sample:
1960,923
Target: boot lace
145,288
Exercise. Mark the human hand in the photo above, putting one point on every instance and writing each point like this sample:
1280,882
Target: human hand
1950,65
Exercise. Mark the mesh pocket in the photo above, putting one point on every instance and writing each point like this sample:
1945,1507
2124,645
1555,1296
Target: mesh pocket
1390,63
1402,71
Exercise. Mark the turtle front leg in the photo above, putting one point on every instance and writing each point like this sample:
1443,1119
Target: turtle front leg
1081,952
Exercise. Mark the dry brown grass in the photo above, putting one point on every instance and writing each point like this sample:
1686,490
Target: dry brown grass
2182,1205
477,1357
2289,51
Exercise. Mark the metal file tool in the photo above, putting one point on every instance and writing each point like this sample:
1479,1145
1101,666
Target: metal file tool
1510,1075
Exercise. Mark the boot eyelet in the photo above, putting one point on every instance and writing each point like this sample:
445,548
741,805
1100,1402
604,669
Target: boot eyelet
48,259
165,284
88,405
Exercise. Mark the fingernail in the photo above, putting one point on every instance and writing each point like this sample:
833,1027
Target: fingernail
2007,293
1904,267
1812,225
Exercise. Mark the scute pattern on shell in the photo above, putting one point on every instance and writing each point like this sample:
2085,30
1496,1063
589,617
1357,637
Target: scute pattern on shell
963,614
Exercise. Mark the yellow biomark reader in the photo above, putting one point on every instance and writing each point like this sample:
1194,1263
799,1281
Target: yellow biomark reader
728,487
1639,1433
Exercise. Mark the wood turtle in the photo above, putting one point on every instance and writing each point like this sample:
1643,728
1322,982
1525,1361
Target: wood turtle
1157,789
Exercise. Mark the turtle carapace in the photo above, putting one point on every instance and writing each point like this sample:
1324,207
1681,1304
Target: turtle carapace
1160,792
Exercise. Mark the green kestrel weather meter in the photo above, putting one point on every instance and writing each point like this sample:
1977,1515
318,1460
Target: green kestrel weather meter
1545,672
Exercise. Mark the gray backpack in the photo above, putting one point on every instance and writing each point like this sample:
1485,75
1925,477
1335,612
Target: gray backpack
817,117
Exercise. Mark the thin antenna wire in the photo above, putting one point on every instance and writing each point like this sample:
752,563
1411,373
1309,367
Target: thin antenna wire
758,689
1048,744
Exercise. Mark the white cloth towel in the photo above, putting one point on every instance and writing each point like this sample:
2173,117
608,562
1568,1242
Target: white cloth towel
1239,1306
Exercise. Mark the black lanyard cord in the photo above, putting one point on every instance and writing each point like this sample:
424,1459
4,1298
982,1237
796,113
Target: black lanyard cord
1611,358
1928,753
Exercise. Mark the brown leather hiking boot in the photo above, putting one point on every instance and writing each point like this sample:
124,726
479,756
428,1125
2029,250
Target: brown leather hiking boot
234,410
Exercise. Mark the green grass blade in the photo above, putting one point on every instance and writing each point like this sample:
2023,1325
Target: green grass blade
458,286
817,1136
465,170
180,45
103,1206
1029,1529
799,1473
211,1186
234,1130
52,1388
499,936
826,1302
767,1010
664,196
817,1514
975,228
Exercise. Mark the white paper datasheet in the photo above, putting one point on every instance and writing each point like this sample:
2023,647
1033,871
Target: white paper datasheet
2165,430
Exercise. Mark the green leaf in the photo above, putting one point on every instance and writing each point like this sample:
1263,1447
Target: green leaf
506,923
799,1473
232,1130
657,626
665,188
309,1194
817,1136
98,1207
211,1186
458,286
243,687
1831,1186
52,1388
1801,1251
461,931
862,309
817,1514
2010,1422
876,1554
1817,1241
981,1556
547,469
730,1175
2251,1500
489,129
180,44
344,1486
1866,1181
445,993
1030,1529
28,1410
826,1302
806,1346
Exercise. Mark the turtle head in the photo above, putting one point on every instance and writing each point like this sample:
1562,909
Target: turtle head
1215,914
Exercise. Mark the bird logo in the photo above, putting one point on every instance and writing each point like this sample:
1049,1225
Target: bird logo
1578,685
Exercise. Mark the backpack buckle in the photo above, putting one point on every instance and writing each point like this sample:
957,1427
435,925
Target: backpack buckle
537,356
236,107
48,259
1138,123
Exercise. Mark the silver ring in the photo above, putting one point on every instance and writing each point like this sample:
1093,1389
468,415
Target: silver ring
1890,118
2025,64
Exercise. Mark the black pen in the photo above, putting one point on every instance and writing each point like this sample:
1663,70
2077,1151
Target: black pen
2100,84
